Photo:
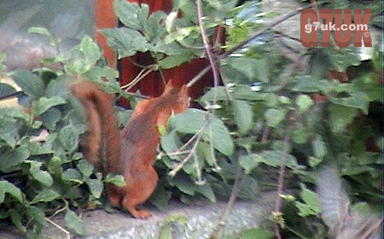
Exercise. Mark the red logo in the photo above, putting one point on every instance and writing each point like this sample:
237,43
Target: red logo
347,27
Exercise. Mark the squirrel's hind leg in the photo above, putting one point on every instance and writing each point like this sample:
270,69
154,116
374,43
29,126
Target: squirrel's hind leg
114,196
140,192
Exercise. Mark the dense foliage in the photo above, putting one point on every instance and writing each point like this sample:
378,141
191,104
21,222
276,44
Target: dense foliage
266,114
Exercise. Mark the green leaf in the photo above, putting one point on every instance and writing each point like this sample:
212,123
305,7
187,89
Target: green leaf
166,232
40,30
17,221
6,89
342,58
273,158
51,117
174,60
95,186
304,102
43,104
306,84
39,175
162,130
311,205
54,166
117,180
274,117
85,168
13,158
160,198
256,233
249,189
29,83
358,100
362,208
126,41
9,188
90,50
46,195
238,92
74,222
184,185
243,115
131,14
340,117
207,191
36,216
254,69
72,175
319,147
249,162
192,120
170,142
9,132
69,137
301,133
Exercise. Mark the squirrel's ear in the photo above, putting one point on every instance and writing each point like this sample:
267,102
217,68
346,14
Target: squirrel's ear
184,90
172,84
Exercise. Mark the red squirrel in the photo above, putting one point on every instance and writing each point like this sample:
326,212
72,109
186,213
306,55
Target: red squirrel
132,152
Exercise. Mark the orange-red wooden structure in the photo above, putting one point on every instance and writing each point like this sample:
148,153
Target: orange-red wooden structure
151,85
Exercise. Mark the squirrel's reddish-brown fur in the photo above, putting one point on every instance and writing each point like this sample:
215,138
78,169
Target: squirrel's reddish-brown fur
133,152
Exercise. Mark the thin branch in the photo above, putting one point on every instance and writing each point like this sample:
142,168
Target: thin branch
239,179
143,73
190,140
208,51
198,76
137,64
280,182
174,153
135,95
68,235
249,39
185,160
265,136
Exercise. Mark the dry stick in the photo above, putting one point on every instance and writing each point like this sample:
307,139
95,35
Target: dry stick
280,183
372,228
239,179
59,227
185,160
137,79
249,39
207,47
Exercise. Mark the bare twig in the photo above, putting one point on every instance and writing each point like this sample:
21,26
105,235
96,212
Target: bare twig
249,39
280,183
175,153
208,51
219,230
265,136
142,74
199,76
185,160
68,235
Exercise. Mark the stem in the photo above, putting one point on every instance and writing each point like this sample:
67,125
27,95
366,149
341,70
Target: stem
207,49
68,235
218,231
185,160
143,73
295,232
280,182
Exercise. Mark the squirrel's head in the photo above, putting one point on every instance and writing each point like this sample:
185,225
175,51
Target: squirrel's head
180,91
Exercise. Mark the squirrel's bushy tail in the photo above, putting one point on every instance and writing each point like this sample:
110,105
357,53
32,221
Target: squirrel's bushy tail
102,141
